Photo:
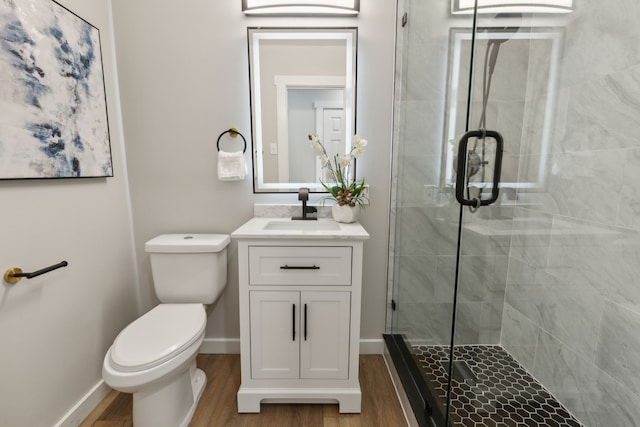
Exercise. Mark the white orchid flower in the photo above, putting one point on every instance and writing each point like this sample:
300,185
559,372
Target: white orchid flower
357,151
358,146
317,145
359,142
318,148
344,160
344,189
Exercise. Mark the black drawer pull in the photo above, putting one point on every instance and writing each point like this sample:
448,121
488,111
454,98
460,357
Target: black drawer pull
299,267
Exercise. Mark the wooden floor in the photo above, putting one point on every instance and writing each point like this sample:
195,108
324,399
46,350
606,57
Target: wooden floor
217,407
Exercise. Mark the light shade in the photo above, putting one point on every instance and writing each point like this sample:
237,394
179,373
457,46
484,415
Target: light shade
301,7
512,6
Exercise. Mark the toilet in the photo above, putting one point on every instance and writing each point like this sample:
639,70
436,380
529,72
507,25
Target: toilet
155,356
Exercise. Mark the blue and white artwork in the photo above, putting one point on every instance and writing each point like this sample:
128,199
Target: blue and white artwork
53,112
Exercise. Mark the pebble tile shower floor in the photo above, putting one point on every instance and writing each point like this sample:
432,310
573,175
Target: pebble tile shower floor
502,394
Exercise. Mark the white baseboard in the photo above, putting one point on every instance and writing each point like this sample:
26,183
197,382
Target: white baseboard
232,346
83,408
372,346
220,346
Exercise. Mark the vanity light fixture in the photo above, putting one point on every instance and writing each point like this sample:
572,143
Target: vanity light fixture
301,7
512,6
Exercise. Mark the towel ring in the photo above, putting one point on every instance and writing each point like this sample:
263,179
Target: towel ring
234,132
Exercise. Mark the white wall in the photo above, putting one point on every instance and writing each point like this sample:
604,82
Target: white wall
56,328
184,79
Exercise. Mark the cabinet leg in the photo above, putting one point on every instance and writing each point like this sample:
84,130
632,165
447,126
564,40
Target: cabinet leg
350,404
248,403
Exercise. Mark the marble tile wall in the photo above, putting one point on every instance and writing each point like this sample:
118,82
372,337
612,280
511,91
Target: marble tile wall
555,280
572,306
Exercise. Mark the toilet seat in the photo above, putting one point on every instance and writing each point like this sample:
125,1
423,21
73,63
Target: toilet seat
157,336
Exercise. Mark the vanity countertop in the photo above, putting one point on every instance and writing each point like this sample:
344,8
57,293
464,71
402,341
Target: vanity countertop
270,228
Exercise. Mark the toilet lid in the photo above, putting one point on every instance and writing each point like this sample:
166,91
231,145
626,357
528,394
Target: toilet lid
157,336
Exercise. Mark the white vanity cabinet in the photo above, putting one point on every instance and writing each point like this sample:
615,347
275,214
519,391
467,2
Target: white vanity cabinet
299,334
299,296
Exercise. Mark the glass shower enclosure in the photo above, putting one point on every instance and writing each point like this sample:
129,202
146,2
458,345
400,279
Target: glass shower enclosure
514,297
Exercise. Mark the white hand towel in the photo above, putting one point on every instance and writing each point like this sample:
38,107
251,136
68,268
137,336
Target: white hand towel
231,166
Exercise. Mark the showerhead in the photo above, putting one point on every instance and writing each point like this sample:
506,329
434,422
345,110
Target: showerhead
508,31
493,44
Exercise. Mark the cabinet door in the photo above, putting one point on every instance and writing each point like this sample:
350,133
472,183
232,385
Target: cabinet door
275,334
324,345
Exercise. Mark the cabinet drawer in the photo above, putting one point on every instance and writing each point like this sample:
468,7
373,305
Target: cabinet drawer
300,265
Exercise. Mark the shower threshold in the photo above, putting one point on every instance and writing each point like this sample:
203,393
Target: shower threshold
489,388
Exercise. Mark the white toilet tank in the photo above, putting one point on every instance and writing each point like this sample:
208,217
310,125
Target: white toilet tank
188,268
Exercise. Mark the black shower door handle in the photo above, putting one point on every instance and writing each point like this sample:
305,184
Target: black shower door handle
462,167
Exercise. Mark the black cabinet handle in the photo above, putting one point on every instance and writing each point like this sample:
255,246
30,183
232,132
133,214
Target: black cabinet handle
299,267
305,322
462,167
293,318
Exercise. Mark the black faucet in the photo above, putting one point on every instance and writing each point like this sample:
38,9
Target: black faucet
303,195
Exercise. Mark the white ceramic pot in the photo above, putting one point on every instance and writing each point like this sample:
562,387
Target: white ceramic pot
345,213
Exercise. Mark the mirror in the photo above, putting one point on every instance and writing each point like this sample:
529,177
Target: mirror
520,107
302,81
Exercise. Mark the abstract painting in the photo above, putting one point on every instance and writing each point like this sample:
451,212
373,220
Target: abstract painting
53,111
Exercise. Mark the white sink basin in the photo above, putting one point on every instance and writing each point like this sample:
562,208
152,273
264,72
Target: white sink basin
300,225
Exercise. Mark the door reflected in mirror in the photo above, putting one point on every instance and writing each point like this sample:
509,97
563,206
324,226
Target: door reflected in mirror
302,81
